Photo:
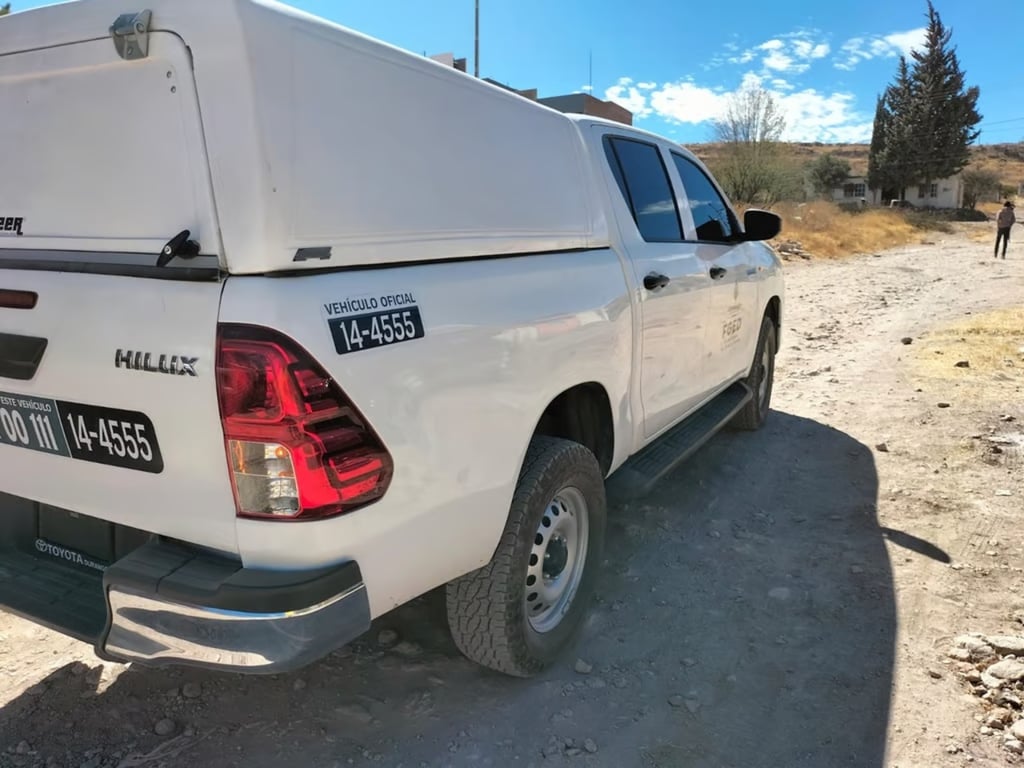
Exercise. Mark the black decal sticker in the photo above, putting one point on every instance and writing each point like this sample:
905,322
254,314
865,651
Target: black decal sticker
11,225
355,333
78,431
307,254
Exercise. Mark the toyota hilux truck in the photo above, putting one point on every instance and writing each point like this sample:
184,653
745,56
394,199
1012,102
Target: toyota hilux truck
296,326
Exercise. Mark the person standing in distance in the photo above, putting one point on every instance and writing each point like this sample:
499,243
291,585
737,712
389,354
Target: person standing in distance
1004,221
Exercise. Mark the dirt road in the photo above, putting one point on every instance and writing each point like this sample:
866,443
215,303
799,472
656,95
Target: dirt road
786,599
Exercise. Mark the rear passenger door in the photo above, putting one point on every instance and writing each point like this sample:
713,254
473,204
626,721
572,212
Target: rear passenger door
671,279
732,324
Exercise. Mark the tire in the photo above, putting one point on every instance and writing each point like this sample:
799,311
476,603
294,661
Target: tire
495,618
762,372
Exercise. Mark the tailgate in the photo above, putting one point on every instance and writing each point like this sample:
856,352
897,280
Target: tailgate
108,398
103,158
108,401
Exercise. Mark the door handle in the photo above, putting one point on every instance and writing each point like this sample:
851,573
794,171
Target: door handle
654,281
717,273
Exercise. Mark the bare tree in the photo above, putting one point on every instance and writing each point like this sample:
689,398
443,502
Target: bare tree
753,167
751,117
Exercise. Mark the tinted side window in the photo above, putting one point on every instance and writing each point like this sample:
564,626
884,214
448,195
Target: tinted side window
711,215
644,183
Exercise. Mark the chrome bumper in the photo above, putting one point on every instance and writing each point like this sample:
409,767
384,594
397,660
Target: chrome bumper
208,612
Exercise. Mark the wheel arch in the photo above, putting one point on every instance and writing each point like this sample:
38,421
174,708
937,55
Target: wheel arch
773,310
583,414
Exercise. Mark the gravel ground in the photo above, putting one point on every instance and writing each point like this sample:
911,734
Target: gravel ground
785,599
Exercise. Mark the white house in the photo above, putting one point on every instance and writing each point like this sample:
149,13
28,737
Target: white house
944,193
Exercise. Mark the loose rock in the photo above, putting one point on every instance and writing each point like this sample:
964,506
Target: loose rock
998,718
408,649
590,745
977,648
676,701
779,593
960,654
551,749
963,364
299,684
907,340
1014,746
1005,644
23,748
1017,730
935,674
387,637
1007,669
882,448
164,727
583,667
693,705
943,405
192,690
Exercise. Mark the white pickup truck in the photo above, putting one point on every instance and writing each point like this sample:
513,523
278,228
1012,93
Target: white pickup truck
296,326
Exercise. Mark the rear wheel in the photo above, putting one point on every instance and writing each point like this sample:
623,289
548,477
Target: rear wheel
760,380
517,613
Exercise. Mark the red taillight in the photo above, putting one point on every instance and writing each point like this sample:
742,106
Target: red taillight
297,448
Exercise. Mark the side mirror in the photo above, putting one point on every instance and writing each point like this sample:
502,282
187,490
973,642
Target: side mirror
761,225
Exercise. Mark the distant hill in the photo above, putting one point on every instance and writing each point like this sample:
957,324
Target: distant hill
1005,159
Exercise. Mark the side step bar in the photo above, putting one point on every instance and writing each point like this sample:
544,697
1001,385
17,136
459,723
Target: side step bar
638,476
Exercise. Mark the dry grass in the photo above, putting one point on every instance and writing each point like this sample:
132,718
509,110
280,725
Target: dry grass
991,344
827,231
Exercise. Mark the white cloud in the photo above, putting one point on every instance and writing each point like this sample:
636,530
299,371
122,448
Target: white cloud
627,95
907,42
586,88
810,114
687,102
646,86
744,58
778,61
790,53
860,49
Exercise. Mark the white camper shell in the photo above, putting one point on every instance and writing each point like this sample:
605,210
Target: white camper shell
316,146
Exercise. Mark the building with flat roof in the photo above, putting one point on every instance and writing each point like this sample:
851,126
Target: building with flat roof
576,103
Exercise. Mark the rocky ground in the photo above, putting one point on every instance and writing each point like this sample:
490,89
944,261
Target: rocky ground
842,588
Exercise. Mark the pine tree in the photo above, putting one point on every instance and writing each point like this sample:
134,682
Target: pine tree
946,112
5,9
892,162
926,120
877,177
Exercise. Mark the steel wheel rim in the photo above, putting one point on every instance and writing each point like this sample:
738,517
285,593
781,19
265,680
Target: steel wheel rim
557,559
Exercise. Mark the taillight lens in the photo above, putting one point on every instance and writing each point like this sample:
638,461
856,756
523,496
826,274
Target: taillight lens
297,448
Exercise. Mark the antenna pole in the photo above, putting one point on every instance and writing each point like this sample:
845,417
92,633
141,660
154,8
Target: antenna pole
476,42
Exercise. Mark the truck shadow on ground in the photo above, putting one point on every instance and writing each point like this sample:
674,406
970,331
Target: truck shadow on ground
745,617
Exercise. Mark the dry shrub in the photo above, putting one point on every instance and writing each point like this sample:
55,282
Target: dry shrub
827,231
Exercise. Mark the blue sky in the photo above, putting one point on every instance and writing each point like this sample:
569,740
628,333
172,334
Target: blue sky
674,63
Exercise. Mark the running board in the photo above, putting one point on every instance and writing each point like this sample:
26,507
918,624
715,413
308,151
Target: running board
638,476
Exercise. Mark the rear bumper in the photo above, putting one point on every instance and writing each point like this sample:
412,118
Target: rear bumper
171,605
